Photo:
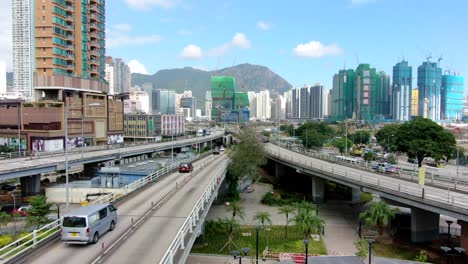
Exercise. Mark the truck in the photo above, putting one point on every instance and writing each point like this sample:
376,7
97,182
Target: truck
200,133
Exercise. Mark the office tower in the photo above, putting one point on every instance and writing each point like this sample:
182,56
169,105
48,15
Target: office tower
304,102
429,84
382,96
342,95
402,91
189,103
23,47
163,102
316,102
452,97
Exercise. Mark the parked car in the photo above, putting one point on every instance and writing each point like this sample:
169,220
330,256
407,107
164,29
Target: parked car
216,151
185,167
22,211
221,148
88,224
392,169
7,187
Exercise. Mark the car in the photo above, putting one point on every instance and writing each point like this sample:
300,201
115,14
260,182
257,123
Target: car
216,151
7,187
221,148
186,167
22,211
392,169
412,160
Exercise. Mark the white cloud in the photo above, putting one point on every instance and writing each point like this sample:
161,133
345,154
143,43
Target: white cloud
239,40
123,27
137,67
263,25
6,37
147,4
315,49
191,52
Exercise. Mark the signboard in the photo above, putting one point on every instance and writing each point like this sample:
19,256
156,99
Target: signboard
113,139
12,143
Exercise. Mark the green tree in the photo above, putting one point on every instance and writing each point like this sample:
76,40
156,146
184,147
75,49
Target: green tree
361,248
361,137
386,136
307,221
305,206
423,138
421,257
38,213
4,218
315,134
228,226
379,214
286,210
369,156
236,210
263,218
341,144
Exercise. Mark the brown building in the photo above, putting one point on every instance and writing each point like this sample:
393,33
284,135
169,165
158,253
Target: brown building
70,44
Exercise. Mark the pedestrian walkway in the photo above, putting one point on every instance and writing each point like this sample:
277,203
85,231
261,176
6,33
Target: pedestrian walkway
219,259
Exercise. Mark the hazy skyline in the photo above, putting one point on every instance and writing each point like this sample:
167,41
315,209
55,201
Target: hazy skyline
303,41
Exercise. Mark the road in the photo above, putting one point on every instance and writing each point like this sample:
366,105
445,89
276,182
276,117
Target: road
131,208
149,243
453,202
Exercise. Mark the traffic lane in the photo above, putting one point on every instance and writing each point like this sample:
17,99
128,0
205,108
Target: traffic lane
133,207
151,240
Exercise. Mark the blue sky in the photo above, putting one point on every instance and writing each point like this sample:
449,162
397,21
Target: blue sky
305,41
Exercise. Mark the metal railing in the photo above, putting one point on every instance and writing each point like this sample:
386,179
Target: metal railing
191,221
441,197
33,239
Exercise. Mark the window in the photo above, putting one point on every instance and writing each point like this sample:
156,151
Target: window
112,208
93,218
103,213
74,221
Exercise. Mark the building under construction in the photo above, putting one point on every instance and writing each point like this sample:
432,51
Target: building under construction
228,105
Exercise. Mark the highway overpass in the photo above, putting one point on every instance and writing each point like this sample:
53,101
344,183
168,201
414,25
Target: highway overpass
426,202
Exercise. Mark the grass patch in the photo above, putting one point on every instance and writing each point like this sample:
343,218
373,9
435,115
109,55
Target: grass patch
395,251
366,197
27,242
277,241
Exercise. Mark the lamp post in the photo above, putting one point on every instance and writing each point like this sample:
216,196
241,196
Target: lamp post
236,254
83,143
256,244
370,241
14,202
19,129
67,187
306,242
448,233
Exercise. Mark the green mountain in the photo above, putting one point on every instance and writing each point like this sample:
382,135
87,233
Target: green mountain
248,78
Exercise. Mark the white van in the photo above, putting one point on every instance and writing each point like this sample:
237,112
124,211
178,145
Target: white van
88,223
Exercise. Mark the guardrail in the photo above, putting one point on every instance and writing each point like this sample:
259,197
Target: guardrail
438,196
34,239
191,221
432,175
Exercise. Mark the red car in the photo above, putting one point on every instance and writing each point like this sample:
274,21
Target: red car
22,211
186,167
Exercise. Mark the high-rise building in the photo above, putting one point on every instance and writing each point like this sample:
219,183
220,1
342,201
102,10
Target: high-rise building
222,93
253,104
263,105
365,91
288,104
208,104
23,47
316,102
163,102
452,97
138,102
189,103
118,76
429,84
69,40
381,102
3,82
415,102
295,103
325,106
342,95
402,91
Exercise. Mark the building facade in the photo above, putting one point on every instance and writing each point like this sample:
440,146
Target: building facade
118,75
263,105
142,126
163,102
342,95
414,102
23,47
190,104
429,85
316,102
138,102
452,97
171,125
402,91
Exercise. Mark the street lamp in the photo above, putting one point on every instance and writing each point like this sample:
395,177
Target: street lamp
370,241
452,252
306,242
448,233
14,202
257,228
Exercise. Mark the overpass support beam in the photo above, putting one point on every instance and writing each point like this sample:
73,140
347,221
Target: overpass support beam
30,185
318,189
280,170
464,233
424,225
355,195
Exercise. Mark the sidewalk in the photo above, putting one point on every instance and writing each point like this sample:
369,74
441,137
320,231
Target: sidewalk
218,259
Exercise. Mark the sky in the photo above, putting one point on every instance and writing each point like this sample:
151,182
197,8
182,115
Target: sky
304,41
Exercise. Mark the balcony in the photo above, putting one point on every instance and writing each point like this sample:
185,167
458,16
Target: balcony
93,8
93,25
94,52
70,47
94,34
93,17
93,43
69,18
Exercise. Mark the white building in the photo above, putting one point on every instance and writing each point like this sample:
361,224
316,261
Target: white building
3,82
263,105
326,93
110,77
118,75
208,105
23,48
138,102
253,104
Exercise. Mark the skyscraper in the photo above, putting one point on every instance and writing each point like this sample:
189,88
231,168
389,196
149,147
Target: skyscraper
58,44
263,105
366,92
452,97
316,102
163,102
118,75
208,104
342,95
23,47
429,83
402,91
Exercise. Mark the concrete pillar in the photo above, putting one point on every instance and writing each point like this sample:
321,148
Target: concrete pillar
30,185
90,169
424,225
280,170
318,189
464,234
355,195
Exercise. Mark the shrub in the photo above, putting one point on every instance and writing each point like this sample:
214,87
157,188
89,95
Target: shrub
5,240
271,199
421,257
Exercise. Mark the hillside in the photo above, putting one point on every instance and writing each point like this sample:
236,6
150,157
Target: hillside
248,78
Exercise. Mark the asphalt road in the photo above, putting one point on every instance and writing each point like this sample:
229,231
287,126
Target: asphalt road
131,208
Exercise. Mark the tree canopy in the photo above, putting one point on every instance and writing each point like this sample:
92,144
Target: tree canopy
423,138
386,136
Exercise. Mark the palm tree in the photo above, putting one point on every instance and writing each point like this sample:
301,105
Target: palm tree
263,217
308,221
378,214
286,210
236,210
228,225
305,206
